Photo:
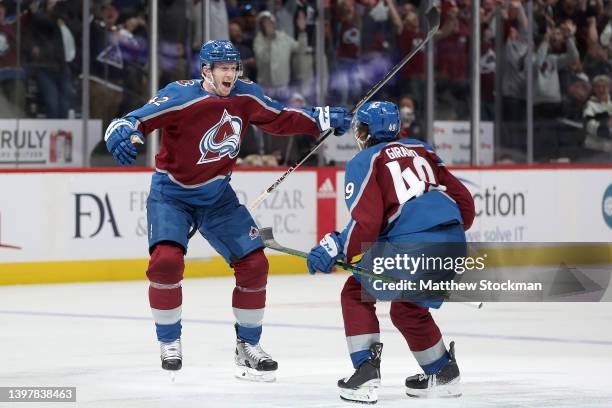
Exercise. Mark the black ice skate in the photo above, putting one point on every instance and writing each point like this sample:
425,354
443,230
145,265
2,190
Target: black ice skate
254,364
171,356
444,383
361,386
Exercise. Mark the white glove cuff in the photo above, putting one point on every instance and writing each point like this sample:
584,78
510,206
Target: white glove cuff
329,245
115,124
323,118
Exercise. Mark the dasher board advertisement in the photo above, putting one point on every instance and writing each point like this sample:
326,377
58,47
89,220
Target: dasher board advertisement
45,142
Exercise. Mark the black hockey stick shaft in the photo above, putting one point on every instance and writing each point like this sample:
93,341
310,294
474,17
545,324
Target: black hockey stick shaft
338,264
433,19
267,235
269,241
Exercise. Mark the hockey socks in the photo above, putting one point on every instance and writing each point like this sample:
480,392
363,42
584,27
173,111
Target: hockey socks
249,334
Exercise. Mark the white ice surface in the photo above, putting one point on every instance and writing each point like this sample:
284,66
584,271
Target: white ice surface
100,338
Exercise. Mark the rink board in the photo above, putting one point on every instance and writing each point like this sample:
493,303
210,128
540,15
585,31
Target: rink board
126,269
70,226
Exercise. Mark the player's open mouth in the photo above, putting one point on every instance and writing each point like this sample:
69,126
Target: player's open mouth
226,84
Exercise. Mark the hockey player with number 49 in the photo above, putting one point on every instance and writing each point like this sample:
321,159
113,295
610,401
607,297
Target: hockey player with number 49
202,124
397,191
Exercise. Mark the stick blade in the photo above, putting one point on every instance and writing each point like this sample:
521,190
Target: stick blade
266,235
433,19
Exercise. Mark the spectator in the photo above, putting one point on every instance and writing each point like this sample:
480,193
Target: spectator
302,68
597,116
298,146
132,40
543,16
219,24
513,83
487,79
551,59
248,23
596,61
376,42
374,21
412,126
548,95
106,72
409,36
249,68
173,53
346,79
577,89
273,51
488,59
487,19
12,77
452,56
577,12
219,21
47,41
284,12
606,31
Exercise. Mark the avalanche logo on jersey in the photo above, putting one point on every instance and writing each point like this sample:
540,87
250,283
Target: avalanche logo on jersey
223,139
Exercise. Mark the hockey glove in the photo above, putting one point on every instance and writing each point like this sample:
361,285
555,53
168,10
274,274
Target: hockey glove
323,256
120,138
332,117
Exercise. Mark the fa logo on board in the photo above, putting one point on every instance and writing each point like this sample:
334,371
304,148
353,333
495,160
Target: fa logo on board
223,139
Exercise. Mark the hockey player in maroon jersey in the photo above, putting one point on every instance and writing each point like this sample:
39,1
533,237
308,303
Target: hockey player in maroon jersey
397,191
202,124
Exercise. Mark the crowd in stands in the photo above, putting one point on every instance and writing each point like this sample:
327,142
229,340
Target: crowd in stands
41,61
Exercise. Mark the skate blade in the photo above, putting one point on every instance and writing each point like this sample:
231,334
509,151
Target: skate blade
450,390
366,394
250,374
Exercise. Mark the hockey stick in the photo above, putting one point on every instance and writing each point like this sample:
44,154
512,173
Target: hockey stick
267,235
433,19
268,238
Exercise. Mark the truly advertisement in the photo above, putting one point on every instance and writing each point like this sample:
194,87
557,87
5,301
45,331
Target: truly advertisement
45,143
